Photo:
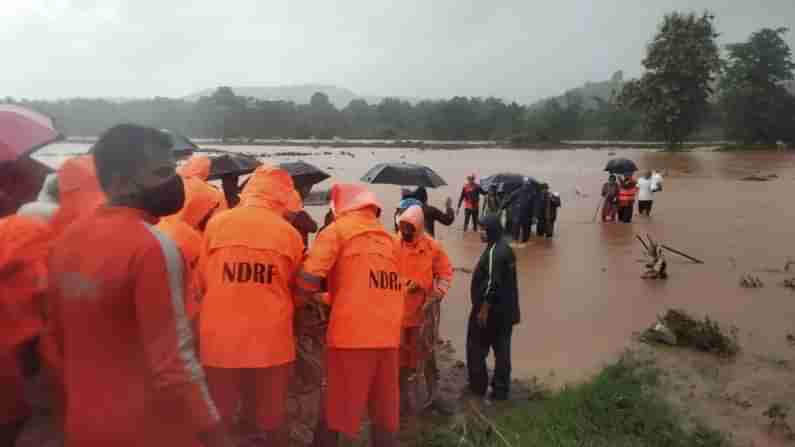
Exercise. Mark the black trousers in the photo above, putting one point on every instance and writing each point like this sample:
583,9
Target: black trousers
522,228
471,214
545,228
541,228
644,207
480,341
625,213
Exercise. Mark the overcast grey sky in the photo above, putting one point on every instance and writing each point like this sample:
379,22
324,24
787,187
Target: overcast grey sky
515,49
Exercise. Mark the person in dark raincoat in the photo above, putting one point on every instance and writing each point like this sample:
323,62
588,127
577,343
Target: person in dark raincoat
495,310
433,214
521,203
546,211
491,206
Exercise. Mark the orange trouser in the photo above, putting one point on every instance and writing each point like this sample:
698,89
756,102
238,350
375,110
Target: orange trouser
263,392
359,379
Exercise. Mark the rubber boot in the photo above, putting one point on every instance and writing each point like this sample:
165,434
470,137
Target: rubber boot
381,438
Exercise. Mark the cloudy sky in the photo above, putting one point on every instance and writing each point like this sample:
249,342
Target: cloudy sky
515,49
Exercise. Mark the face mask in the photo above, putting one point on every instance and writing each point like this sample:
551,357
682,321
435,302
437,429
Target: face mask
165,199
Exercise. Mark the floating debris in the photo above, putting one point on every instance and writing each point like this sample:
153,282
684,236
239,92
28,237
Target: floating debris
293,154
678,328
759,178
789,283
749,281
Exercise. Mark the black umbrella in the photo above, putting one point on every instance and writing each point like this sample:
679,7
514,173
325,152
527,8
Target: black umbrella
405,174
234,164
622,166
510,181
303,173
181,146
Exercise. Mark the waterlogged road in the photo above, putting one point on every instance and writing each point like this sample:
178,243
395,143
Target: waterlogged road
581,295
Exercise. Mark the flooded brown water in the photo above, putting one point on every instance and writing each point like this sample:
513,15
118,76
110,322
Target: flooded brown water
581,293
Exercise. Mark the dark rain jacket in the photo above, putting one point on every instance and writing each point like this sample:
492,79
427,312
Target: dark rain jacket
546,206
494,279
521,202
433,214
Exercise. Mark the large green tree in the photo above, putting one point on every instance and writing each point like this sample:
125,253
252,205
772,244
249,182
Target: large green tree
680,67
757,108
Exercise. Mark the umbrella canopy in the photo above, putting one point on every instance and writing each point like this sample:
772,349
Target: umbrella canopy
406,174
234,164
510,181
622,166
22,131
303,173
181,146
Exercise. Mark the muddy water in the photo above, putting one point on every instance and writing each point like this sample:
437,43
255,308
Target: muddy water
581,295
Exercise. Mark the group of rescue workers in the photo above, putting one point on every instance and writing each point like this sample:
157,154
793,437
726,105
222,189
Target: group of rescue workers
619,196
112,283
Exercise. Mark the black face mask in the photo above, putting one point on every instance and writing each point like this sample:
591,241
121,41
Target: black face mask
166,199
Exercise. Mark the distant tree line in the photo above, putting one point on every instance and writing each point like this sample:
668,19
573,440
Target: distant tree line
687,91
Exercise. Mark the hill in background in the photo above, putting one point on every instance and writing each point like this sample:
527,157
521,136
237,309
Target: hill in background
299,94
590,90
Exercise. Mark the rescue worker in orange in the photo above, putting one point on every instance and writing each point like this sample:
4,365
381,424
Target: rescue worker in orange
627,191
195,173
117,287
426,273
66,196
77,190
358,259
249,260
24,242
186,227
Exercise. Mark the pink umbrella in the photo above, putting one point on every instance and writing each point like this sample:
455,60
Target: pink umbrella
22,131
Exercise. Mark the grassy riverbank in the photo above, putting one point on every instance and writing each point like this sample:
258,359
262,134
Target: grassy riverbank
622,406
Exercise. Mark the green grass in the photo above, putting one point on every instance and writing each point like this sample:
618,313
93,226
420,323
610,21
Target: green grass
620,407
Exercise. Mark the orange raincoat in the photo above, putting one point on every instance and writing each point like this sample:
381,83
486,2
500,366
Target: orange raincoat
250,256
424,262
198,168
249,260
23,250
79,195
79,192
130,370
185,227
359,259
427,273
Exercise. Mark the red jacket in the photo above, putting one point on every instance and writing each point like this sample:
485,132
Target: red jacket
131,374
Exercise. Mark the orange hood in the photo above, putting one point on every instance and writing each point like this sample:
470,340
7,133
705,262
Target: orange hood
413,215
271,188
200,200
294,202
197,166
347,197
79,191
